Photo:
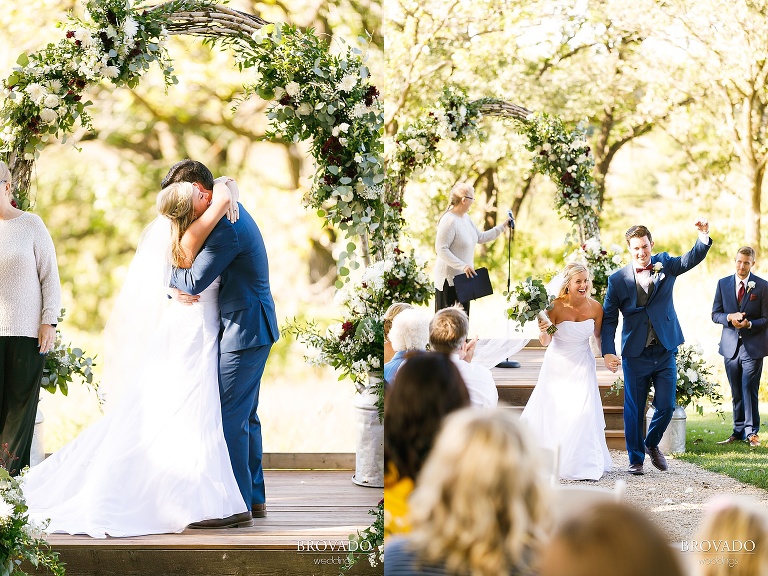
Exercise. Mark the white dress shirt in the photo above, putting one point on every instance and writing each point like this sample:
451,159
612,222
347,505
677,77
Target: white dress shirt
479,382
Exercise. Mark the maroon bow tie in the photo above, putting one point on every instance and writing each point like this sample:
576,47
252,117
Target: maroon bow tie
649,267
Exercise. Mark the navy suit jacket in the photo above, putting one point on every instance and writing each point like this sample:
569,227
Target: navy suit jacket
754,305
621,295
235,252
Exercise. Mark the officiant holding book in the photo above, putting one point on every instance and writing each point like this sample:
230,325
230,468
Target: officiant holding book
457,236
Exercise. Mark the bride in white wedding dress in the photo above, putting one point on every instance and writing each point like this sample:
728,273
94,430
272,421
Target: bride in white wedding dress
157,461
564,411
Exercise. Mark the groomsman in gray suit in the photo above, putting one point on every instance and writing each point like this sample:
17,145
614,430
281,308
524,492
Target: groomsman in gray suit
741,306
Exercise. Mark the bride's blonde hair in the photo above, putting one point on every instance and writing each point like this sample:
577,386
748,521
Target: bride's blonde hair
569,272
175,203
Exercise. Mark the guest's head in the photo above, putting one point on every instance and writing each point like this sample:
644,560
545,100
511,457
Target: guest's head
389,316
6,184
575,278
190,171
427,387
479,506
181,203
745,259
462,196
640,244
732,519
410,331
609,539
448,330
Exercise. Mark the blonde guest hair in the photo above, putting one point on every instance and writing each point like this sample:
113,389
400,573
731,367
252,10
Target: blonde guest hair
571,270
459,192
479,506
448,329
175,203
733,519
394,309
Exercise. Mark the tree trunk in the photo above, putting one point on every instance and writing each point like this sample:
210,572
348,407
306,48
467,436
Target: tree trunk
753,218
491,203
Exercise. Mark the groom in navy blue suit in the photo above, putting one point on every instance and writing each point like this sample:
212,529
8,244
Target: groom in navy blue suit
642,292
236,252
741,306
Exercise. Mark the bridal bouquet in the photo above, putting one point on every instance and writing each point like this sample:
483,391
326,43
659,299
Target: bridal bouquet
527,300
20,539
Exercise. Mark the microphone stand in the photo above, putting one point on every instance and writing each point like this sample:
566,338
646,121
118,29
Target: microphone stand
509,363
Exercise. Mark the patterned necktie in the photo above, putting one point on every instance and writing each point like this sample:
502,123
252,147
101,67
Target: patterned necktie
740,296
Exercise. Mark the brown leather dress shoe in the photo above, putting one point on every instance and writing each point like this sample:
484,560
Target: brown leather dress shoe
258,511
241,520
754,440
657,458
636,469
730,440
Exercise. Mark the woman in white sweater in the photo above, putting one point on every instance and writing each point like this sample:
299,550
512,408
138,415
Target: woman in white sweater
30,302
457,236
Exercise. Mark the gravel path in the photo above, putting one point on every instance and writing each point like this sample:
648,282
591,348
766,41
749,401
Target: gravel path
674,499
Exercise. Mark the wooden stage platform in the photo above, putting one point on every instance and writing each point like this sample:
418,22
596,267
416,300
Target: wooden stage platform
321,506
516,384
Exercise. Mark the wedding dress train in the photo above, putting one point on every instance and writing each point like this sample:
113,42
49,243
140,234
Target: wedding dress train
157,461
564,410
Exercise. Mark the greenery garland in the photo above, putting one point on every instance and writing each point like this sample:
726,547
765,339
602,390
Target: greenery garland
561,154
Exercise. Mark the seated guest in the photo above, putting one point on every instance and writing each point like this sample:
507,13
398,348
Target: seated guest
426,388
448,334
732,519
409,333
478,507
394,309
609,539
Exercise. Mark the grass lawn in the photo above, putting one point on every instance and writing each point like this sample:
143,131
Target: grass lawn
737,460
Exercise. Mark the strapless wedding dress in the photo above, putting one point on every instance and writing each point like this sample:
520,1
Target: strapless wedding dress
158,460
564,410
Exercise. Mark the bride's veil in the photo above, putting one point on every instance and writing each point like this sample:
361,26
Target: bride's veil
137,312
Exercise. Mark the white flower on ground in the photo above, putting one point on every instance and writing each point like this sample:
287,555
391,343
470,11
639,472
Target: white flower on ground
292,88
304,109
348,83
48,116
36,92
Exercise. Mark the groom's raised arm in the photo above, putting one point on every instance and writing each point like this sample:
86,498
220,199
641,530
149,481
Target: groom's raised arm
220,249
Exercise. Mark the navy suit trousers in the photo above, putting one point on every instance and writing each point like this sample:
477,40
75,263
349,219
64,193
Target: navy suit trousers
239,382
655,365
744,376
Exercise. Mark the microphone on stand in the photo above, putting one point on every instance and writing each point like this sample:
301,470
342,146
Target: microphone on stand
509,363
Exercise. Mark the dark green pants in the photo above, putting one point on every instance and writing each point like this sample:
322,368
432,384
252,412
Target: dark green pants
21,368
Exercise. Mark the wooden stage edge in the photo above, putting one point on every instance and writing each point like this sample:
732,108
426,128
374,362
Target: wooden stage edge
312,509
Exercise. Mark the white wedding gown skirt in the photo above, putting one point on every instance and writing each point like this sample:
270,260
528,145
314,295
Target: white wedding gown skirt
158,460
564,410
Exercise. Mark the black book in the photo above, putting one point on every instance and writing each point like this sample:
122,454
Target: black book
473,288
